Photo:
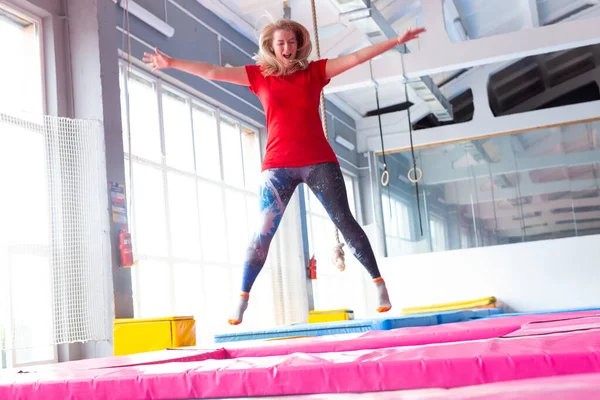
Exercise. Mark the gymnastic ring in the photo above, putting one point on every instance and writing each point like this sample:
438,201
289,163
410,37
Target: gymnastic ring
418,173
385,178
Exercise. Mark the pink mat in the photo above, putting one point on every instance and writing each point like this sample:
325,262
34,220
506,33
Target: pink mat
154,357
412,336
556,326
442,365
579,387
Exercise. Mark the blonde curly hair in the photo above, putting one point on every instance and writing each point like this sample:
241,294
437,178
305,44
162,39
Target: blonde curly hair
266,58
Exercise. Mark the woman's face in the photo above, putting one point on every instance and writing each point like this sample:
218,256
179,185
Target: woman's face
285,46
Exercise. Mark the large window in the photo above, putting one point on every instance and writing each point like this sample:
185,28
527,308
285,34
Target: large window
21,78
398,232
25,303
437,230
535,185
192,179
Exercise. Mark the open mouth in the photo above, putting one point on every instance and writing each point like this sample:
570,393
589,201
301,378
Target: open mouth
287,56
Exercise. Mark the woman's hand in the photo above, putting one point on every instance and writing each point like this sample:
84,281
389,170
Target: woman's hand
157,61
409,35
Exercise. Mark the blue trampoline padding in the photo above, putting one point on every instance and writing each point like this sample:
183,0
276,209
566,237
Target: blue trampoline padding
443,317
447,317
358,325
321,329
330,328
542,312
405,321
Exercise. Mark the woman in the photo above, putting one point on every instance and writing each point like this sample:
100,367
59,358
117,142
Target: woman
289,88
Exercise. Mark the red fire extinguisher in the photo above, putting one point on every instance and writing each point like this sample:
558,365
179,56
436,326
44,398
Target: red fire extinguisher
312,268
126,249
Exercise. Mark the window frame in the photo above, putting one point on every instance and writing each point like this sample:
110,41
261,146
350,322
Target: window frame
249,193
11,8
435,218
390,237
10,353
356,205
35,19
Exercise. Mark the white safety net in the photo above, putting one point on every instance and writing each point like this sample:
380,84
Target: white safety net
54,232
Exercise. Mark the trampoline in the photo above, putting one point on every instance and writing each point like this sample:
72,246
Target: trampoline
360,325
448,361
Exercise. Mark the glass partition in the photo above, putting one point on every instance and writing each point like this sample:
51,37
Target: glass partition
534,185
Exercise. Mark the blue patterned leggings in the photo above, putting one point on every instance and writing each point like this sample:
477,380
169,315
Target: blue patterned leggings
327,183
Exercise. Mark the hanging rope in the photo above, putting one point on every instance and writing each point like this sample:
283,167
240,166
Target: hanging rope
385,176
318,50
417,171
338,253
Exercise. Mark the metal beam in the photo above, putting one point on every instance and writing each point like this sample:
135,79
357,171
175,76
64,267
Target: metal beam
490,126
484,123
391,122
534,15
454,24
437,54
369,20
572,10
399,9
384,25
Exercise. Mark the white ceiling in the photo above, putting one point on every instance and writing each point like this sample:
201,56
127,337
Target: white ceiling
465,19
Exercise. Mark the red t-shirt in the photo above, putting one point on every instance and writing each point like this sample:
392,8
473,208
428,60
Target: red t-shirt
291,104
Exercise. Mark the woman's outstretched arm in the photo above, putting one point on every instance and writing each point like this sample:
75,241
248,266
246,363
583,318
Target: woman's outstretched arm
159,60
336,66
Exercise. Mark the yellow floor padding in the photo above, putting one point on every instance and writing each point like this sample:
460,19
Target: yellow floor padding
486,302
133,335
342,314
